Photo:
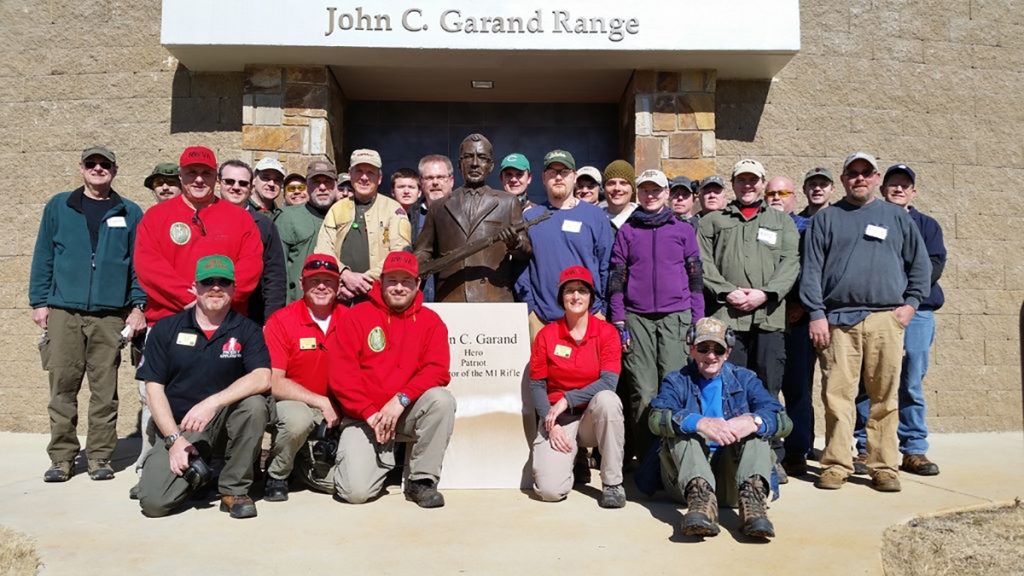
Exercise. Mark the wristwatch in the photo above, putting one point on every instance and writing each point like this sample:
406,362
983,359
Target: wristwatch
403,399
169,440
758,420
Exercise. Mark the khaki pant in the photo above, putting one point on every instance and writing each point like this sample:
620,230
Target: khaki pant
83,344
241,425
684,458
602,425
292,423
363,463
872,349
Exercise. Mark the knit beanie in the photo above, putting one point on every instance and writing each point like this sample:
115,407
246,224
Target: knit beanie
620,169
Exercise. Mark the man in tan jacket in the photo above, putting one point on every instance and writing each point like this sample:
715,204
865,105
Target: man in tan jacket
360,231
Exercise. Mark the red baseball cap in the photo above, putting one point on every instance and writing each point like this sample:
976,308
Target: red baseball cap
400,261
198,155
320,264
575,273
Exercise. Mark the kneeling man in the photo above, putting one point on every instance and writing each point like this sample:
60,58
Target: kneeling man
389,368
206,371
296,336
713,416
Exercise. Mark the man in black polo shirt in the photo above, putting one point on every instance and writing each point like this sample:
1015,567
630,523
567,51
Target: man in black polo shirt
206,370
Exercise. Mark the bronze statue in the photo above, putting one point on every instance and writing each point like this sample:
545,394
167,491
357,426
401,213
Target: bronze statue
472,212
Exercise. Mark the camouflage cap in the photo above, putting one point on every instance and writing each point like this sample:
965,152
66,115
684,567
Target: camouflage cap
711,330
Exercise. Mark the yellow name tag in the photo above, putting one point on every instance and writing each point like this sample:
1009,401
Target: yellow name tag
562,351
185,339
307,343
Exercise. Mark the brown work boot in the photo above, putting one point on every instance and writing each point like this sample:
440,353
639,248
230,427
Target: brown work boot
919,464
238,506
831,479
701,518
753,509
885,481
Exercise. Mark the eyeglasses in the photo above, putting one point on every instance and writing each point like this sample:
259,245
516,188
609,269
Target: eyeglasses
166,180
295,188
712,190
851,174
321,265
436,178
681,193
577,290
779,193
90,164
232,182
586,184
270,176
709,347
218,282
564,172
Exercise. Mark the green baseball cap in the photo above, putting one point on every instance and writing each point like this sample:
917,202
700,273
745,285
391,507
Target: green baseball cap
99,151
168,169
561,157
215,266
517,161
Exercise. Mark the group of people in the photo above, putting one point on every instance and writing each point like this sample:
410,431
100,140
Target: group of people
638,290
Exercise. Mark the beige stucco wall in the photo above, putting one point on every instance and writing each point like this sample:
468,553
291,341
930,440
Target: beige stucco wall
934,84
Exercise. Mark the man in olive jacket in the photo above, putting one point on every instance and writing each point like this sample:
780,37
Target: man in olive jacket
751,261
85,295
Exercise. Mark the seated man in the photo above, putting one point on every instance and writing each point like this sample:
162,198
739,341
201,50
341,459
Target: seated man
296,337
389,367
206,370
714,415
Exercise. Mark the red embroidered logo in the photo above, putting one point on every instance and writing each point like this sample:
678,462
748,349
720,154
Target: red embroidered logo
231,349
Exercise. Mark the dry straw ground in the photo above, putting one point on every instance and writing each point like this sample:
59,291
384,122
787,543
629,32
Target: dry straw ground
17,554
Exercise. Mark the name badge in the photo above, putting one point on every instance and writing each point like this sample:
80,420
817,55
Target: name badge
116,222
562,351
307,343
878,232
769,237
573,226
185,339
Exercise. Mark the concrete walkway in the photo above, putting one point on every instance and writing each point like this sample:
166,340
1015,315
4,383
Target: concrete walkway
84,527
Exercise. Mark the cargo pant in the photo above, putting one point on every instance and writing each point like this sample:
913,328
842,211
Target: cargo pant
686,457
292,422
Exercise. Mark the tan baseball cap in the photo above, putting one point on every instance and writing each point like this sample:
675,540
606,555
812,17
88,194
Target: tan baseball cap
748,166
365,156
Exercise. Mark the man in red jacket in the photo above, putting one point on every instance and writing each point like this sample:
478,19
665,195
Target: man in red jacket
389,368
175,234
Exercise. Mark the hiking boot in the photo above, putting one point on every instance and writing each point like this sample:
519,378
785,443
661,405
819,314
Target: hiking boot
424,493
101,470
238,506
831,479
919,464
612,497
701,518
780,472
133,492
58,472
795,465
885,481
275,490
860,464
753,513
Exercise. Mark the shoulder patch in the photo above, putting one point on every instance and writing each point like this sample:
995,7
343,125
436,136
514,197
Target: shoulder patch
180,233
400,211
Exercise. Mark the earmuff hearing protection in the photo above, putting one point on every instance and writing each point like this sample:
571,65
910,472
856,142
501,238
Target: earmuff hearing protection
691,335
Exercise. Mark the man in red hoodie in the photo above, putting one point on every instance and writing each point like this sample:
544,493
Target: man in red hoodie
389,368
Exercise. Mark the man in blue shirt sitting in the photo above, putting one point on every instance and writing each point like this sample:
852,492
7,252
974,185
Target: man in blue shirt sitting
716,417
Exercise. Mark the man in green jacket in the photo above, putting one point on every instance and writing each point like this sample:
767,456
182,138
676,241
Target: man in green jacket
299,225
751,262
84,294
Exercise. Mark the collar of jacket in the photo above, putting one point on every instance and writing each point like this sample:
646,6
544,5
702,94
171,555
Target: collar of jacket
75,199
733,209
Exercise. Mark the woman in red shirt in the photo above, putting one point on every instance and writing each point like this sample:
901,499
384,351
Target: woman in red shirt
574,368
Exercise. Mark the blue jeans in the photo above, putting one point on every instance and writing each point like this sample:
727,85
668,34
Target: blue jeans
913,429
796,389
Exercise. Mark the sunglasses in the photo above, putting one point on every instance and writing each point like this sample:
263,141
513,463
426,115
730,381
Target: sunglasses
564,172
681,193
851,174
90,164
779,193
232,182
321,265
218,282
709,347
295,188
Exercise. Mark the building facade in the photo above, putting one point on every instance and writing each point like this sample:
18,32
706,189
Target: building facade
688,89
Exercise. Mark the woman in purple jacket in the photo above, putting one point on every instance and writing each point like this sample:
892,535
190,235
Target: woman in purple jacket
656,291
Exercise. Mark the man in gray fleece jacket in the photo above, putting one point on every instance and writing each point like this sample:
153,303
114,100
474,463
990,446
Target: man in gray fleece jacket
865,271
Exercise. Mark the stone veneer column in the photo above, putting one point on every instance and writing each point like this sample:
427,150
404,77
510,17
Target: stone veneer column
674,121
292,113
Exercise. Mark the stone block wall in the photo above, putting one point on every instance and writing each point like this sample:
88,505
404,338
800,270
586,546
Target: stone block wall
674,121
937,85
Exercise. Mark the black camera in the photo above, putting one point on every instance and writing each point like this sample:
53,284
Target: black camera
325,446
198,473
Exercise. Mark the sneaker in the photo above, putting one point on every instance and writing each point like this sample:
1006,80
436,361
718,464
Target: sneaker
831,479
860,464
919,464
101,470
424,493
795,465
886,481
612,497
238,506
133,493
701,518
58,472
275,490
753,514
780,471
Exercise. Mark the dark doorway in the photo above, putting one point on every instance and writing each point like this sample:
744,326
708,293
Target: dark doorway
404,132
